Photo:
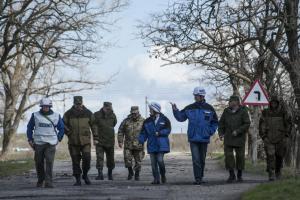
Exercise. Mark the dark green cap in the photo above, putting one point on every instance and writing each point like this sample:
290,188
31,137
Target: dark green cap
234,98
107,104
77,100
134,109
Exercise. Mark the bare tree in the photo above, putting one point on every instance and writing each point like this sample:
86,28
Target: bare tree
229,39
41,41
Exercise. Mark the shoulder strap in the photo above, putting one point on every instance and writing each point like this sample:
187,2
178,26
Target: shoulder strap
46,117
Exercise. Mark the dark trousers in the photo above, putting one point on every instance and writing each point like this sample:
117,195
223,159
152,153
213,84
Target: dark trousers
110,157
44,154
275,154
237,161
78,153
158,165
198,150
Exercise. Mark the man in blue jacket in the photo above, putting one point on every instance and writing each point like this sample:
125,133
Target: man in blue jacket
156,130
44,130
203,123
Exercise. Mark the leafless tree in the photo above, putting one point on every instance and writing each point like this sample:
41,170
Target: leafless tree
234,41
41,42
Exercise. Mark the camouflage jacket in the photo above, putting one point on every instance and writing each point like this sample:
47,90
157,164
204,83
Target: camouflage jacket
105,123
238,121
130,129
79,126
274,124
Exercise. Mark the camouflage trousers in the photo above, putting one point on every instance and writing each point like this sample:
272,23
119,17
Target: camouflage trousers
234,161
78,153
110,154
275,154
136,155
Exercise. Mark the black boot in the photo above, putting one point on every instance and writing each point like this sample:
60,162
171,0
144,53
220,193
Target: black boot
110,176
86,179
78,180
163,179
240,176
278,173
231,177
130,173
137,175
271,175
100,175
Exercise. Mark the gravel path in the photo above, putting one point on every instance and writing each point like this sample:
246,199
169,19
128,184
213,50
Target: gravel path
179,186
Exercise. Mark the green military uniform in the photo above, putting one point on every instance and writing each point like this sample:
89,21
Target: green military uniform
233,126
78,128
130,129
274,129
104,139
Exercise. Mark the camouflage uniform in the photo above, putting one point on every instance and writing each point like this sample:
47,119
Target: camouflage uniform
274,129
233,126
130,129
78,128
105,138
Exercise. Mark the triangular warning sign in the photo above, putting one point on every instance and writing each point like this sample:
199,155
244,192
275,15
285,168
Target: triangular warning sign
257,95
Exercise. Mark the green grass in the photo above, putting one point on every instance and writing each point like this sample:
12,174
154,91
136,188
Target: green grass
15,167
286,189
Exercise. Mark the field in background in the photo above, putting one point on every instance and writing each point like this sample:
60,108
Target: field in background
178,142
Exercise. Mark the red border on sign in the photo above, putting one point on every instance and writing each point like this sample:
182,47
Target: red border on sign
248,93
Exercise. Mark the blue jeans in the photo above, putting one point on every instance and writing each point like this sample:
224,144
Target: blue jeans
157,162
198,150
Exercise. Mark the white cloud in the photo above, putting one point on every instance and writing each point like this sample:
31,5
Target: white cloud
151,70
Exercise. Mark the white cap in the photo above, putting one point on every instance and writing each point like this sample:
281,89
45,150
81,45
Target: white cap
45,102
199,91
155,106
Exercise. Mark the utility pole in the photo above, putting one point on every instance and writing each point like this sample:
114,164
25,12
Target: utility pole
64,103
146,107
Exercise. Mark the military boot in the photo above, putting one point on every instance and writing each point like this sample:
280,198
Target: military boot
278,174
231,177
78,180
137,175
130,173
49,185
40,183
100,175
240,176
110,176
163,179
86,179
271,175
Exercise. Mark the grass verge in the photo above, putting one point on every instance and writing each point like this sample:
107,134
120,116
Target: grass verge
15,167
287,189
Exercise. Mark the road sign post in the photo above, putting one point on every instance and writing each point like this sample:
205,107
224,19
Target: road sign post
256,97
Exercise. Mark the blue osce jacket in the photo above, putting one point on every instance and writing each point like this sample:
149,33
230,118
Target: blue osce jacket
160,143
203,121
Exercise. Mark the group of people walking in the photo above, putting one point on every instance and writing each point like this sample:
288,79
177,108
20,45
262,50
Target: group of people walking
46,128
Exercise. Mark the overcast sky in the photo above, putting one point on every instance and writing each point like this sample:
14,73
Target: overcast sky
139,76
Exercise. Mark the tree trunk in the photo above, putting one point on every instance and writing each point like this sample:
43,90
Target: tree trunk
254,134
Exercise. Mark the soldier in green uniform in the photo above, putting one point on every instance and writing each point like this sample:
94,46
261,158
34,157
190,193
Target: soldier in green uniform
130,129
233,126
274,129
79,127
104,140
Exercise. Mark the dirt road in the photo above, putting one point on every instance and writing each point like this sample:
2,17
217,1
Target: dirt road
179,186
